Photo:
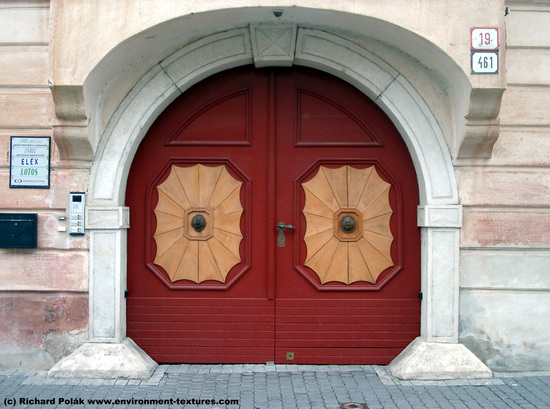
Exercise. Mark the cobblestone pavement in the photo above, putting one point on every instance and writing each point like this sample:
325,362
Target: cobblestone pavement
273,387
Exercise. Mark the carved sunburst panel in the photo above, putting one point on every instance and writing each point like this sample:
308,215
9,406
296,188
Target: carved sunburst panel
348,236
198,232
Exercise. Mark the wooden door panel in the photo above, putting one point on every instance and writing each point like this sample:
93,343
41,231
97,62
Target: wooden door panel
219,117
202,330
336,332
323,320
318,115
274,130
216,124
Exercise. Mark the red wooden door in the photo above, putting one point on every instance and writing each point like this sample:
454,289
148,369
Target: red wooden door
274,134
331,124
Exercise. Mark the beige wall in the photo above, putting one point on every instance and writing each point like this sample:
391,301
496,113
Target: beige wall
43,292
505,257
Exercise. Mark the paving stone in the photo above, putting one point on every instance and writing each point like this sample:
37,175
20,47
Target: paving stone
274,386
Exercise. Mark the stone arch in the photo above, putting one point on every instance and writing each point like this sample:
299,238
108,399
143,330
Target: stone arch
313,48
439,213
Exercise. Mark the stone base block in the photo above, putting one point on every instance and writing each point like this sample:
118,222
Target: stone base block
104,360
437,361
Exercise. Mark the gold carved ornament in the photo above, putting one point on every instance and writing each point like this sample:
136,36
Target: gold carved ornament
348,236
198,230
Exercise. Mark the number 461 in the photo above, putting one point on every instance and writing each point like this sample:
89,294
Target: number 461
486,62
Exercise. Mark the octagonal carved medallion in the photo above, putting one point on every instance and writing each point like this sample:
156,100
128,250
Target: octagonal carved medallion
198,230
348,235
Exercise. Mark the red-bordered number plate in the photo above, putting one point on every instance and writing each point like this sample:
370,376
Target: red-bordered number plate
484,38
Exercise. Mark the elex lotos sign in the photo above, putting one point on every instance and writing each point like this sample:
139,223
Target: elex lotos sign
30,162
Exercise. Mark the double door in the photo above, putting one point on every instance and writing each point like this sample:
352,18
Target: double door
273,218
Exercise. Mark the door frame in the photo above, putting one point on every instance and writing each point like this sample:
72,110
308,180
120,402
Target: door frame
439,212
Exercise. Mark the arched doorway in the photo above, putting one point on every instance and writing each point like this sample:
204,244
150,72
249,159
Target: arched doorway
439,215
245,150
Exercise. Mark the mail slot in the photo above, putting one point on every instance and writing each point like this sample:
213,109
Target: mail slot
18,230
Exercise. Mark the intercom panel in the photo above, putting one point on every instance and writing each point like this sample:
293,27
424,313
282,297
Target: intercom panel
76,213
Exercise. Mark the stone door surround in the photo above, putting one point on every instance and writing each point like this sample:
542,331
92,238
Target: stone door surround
436,353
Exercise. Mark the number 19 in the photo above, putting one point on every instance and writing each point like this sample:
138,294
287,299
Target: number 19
485,38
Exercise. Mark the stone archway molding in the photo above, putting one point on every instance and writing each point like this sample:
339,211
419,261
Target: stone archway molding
436,354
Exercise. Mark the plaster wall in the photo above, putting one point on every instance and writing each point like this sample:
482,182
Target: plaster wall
505,242
43,291
439,22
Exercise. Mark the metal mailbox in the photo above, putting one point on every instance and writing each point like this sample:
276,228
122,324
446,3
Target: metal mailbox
18,230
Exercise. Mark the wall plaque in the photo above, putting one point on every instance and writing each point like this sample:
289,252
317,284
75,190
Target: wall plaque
30,162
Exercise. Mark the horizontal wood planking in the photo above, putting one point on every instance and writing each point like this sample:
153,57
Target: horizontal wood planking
202,330
184,316
340,341
193,326
209,354
229,326
345,302
193,302
200,336
349,356
240,330
344,332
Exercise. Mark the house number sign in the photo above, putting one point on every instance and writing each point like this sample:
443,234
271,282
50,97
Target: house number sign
484,54
30,162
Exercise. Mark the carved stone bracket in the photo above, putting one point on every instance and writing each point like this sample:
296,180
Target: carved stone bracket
482,124
70,128
72,140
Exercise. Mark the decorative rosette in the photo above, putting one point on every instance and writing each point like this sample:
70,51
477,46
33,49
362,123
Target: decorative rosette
348,236
198,230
